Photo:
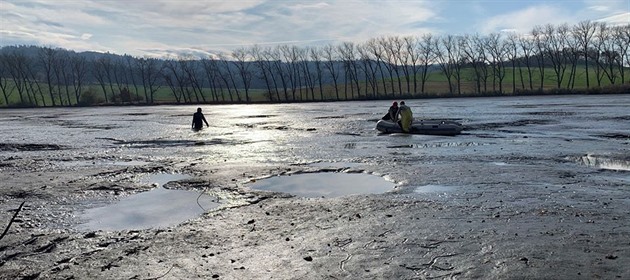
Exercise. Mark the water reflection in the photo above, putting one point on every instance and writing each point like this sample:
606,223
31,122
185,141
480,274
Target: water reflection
81,163
605,163
253,132
434,189
327,184
156,208
335,164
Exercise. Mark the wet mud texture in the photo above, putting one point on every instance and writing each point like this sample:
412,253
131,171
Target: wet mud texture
525,196
546,232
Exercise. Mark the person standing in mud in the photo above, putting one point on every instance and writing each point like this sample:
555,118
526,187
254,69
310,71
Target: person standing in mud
406,116
198,120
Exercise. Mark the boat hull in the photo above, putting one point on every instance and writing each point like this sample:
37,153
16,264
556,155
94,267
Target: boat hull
427,127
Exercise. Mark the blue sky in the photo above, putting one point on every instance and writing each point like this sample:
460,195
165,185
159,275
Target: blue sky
159,27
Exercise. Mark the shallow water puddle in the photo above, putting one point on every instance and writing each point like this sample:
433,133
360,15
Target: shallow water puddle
605,163
335,164
156,208
434,189
81,163
439,192
326,184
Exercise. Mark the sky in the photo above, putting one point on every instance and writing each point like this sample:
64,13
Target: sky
156,28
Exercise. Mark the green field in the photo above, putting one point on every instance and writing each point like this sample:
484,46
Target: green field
436,86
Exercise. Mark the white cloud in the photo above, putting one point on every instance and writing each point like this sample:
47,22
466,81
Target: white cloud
607,6
525,20
208,26
612,11
619,19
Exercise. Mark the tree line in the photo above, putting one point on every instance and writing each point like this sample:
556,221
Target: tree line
383,67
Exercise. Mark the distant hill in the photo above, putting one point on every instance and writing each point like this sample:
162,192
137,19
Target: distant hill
34,53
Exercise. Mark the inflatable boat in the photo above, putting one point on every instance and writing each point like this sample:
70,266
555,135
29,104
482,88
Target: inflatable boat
428,127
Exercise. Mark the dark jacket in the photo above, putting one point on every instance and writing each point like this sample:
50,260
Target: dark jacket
198,120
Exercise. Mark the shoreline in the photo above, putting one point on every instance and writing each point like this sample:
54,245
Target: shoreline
405,97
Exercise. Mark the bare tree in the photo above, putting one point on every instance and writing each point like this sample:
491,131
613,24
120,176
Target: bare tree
401,61
191,69
558,51
330,63
243,65
212,72
118,76
526,46
4,72
63,75
264,69
572,53
291,69
389,58
427,57
14,62
369,68
131,76
458,59
621,43
540,44
606,55
227,76
179,81
349,58
272,56
497,50
79,70
474,58
446,54
150,70
625,37
316,57
99,71
32,82
376,48
275,56
305,68
21,69
555,47
512,52
47,58
412,46
583,34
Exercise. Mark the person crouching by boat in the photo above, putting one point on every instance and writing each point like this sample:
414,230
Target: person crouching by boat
198,120
392,114
406,116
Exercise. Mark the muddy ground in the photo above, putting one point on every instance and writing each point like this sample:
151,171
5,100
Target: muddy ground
534,188
535,233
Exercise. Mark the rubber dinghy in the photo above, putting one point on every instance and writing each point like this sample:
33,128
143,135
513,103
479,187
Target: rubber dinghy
428,127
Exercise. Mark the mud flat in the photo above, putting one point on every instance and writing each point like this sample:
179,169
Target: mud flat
434,232
527,197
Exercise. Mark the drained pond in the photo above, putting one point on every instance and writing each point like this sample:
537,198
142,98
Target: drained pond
542,139
533,187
